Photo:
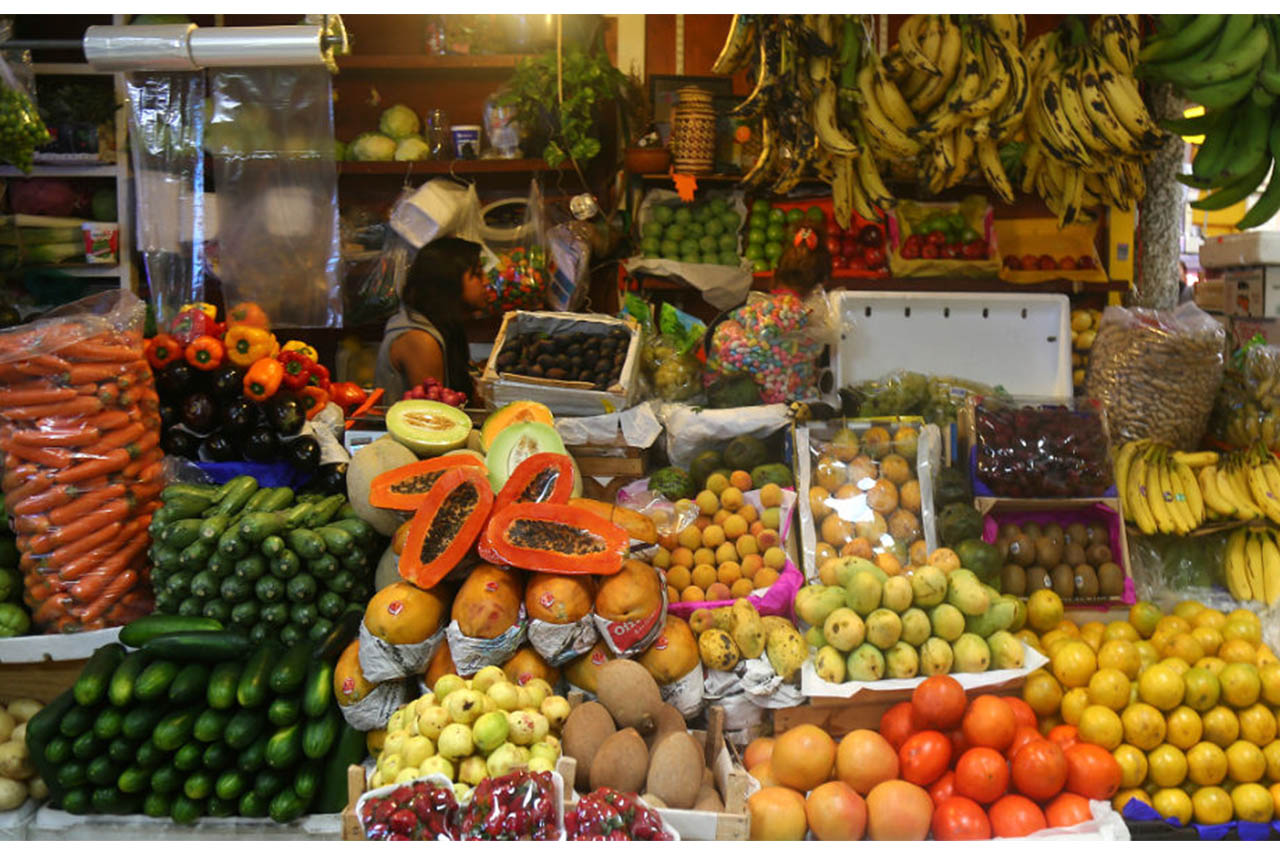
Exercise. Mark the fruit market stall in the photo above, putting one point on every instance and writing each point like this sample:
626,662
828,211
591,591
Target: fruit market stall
832,486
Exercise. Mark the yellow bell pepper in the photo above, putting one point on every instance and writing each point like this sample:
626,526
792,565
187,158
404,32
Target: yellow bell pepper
301,347
205,308
248,344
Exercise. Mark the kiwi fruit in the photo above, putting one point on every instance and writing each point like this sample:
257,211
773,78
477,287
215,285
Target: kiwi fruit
1086,582
1009,530
1073,554
1054,531
1032,530
1097,534
1048,552
1013,580
1097,554
1022,550
1064,581
1076,534
1110,580
1002,546
1037,579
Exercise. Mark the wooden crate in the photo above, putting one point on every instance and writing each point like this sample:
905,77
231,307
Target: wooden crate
839,716
43,666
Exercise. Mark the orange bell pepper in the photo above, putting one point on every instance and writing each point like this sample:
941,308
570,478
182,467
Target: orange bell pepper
248,314
263,379
205,353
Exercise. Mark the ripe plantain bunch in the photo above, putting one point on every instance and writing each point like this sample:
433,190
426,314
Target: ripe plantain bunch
1088,131
1229,64
965,82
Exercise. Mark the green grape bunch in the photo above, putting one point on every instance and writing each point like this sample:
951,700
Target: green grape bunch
21,129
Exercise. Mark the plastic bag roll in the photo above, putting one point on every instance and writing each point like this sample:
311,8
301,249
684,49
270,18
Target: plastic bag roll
257,46
159,47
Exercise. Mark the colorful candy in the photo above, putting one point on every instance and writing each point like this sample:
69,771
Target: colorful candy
768,339
520,280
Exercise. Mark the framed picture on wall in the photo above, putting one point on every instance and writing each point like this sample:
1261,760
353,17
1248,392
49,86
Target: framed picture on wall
662,94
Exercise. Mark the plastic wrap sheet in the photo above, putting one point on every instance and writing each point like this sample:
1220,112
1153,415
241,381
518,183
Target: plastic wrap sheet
166,128
1032,449
518,269
1247,408
271,135
82,468
1157,373
25,130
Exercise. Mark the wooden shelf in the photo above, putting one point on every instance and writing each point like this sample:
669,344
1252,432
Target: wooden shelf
49,170
443,167
924,285
424,62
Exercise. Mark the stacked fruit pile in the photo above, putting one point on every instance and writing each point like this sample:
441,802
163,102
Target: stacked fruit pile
1076,562
17,774
594,357
1084,328
701,233
866,625
265,561
14,617
1041,451
196,721
728,635
1186,703
516,806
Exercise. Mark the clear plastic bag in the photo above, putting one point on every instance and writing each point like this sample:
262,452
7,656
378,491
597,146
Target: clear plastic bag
378,295
22,130
520,268
668,360
271,134
1247,408
1157,373
82,465
166,119
936,399
1028,449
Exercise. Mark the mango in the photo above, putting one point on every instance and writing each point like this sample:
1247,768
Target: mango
847,567
947,621
844,629
896,595
1006,651
969,597
815,637
718,650
970,654
935,657
928,586
1019,612
829,664
815,601
901,661
915,626
884,628
863,593
786,652
865,664
997,618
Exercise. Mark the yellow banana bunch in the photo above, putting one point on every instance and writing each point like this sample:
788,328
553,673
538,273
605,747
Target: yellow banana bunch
1168,492
1252,565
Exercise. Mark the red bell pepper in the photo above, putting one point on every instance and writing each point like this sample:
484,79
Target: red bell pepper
163,350
318,376
347,395
191,323
312,399
297,369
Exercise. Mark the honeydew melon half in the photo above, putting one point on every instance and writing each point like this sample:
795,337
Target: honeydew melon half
427,427
517,443
514,413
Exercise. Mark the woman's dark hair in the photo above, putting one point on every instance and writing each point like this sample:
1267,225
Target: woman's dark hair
805,261
433,288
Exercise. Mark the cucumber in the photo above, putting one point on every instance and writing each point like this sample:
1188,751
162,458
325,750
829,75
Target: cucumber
166,602
139,722
268,589
325,567
134,780
189,757
144,629
221,693
355,562
216,807
301,588
357,528
243,729
212,528
288,675
345,628
320,734
245,615
319,630
233,496
189,684
163,559
76,721
286,566
72,774
194,557
58,750
196,490
251,568
155,679
180,534
218,609
342,583
260,632
122,750
220,565
308,544
204,584
200,646
156,805
317,690
285,806
292,633
254,757
307,780
252,689
256,527
191,607
185,810
231,785
91,685
253,805
125,678
166,780
149,756
87,745
296,515
102,771
284,711
336,541
108,724
232,545
268,782
217,757
179,584
284,748
235,590
78,801
271,545
326,510
174,730
348,512
209,725
275,614
330,604
107,800
278,498
182,507
303,614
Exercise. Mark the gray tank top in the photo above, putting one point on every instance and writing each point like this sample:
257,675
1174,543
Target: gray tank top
385,375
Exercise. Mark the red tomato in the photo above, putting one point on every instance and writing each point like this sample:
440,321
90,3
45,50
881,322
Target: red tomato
1084,262
1064,735
929,250
910,251
1092,772
874,256
914,240
982,774
959,744
939,702
833,245
944,787
989,722
1014,815
1039,770
1013,262
838,262
855,263
960,819
937,237
1022,712
895,724
1046,262
1067,810
975,250
849,247
949,250
1024,735
871,235
1029,262
924,757
1066,262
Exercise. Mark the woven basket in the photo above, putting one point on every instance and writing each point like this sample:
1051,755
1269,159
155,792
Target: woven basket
693,131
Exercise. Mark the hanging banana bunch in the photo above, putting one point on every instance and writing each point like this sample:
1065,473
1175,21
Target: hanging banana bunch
1088,131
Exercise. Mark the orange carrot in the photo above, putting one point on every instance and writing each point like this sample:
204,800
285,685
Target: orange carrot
113,511
116,439
135,468
78,405
85,351
96,586
113,419
30,394
54,458
53,607
37,482
58,438
88,501
18,475
110,462
64,554
73,570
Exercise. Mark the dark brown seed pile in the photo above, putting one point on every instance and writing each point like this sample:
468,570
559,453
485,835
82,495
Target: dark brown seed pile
449,518
541,487
545,535
418,484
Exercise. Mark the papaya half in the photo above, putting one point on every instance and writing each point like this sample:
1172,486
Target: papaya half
635,523
553,538
404,488
446,525
545,478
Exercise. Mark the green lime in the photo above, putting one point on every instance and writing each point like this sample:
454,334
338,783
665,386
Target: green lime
651,246
730,220
759,265
707,243
675,232
729,259
670,249
663,214
683,216
710,258
755,252
816,215
713,227
729,242
652,229
689,246
693,258
693,229
776,231
718,206
773,251
758,220
777,215
756,237
760,206
956,221
968,235
795,215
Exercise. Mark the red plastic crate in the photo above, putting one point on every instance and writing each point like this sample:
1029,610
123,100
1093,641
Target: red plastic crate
856,223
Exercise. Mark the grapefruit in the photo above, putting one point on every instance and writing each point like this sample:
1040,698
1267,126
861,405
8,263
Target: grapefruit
777,815
898,810
802,757
836,812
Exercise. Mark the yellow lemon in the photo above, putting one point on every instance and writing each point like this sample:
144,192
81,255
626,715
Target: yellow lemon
1161,686
1120,655
1272,754
1257,725
1183,727
1109,687
1101,726
1201,689
1042,693
1275,795
1237,650
1206,764
1147,654
1212,663
1120,631
1144,616
1245,762
1212,805
1044,610
1246,615
1173,803
1211,617
1074,702
1240,684
1184,647
1166,766
1144,726
1244,629
1133,765
1269,679
1252,803
1265,656
1208,637
1074,662
1125,795
1221,726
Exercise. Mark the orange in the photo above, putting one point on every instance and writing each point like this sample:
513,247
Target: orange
1269,678
1187,609
741,480
1121,655
1246,762
1185,647
1109,687
1173,803
1221,726
1172,624
1211,617
1044,610
1074,663
1133,765
1183,728
1120,630
1091,633
1202,689
1042,693
1237,649
1143,616
1069,627
1144,726
1243,628
1161,686
1212,805
1257,725
1206,764
1241,684
1208,637
1074,702
1272,754
1253,803
1101,726
1166,766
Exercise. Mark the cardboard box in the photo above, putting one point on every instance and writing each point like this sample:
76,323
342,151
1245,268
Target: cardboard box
1251,291
1210,294
1247,249
1244,328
